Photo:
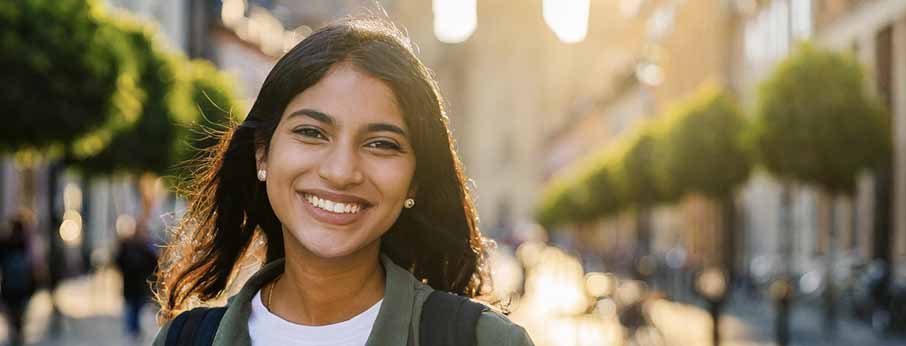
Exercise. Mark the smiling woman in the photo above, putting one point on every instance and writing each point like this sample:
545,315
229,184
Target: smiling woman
346,135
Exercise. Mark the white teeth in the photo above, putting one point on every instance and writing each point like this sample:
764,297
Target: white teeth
331,206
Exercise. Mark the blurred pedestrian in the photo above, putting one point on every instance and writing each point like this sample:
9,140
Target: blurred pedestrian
18,275
136,258
323,170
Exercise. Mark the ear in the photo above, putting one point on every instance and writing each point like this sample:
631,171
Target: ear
260,158
413,189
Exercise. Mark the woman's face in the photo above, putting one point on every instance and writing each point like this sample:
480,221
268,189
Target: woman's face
340,164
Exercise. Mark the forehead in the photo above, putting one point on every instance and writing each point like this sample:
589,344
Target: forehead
350,96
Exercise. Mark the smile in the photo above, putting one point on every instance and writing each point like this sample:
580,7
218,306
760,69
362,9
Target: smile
333,206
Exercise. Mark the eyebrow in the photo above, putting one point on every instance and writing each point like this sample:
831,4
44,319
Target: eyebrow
328,119
316,115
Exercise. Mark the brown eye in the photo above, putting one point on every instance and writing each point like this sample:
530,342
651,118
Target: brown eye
310,132
384,145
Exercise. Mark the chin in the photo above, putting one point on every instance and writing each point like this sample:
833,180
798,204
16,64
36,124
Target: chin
331,252
333,248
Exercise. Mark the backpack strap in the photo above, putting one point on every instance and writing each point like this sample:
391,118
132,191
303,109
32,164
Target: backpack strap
449,320
195,327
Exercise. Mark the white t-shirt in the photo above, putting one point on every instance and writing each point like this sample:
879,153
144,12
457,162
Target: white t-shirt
267,329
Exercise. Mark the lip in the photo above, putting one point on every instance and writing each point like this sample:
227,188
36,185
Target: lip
331,218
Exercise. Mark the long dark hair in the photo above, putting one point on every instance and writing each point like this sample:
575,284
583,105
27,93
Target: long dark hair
438,240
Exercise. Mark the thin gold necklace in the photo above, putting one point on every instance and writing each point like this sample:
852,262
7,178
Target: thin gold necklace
270,292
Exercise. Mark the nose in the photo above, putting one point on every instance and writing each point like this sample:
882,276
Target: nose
340,167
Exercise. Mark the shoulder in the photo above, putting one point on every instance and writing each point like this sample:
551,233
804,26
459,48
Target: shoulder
494,328
161,338
199,324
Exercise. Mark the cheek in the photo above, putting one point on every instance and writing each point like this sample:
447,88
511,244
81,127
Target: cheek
394,179
286,158
285,163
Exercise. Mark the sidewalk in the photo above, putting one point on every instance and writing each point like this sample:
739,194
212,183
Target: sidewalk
91,308
806,326
750,323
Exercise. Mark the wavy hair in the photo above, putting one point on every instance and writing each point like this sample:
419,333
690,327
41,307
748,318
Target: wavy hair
438,240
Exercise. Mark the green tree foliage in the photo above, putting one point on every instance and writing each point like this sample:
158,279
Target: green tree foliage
696,148
816,122
211,96
702,149
637,168
60,73
146,147
588,192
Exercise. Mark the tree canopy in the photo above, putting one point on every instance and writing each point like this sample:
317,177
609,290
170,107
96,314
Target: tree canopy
703,150
63,76
817,124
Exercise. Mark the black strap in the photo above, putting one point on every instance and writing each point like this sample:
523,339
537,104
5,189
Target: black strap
195,327
449,320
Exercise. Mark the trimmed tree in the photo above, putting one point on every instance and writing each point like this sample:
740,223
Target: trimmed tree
590,190
703,152
210,95
818,125
640,185
67,83
146,147
62,74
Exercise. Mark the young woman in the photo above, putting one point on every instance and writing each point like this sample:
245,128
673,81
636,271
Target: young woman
346,166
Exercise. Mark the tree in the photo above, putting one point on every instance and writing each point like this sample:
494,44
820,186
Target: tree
211,96
145,147
589,190
640,183
637,169
814,105
61,73
703,152
66,83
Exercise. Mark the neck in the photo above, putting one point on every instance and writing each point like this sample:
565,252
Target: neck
319,291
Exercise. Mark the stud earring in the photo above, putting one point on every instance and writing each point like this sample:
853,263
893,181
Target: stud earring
262,175
409,203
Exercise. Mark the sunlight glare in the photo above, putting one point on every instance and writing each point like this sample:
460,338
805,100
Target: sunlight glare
455,20
568,19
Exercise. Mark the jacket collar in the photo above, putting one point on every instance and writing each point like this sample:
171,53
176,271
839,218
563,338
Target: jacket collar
390,328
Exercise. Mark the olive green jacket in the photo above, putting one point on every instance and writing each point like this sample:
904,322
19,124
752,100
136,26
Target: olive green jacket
397,322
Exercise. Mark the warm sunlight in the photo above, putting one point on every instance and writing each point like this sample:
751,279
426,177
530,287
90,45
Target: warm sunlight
568,19
454,20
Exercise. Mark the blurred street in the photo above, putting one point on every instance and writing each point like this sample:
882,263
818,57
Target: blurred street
553,318
92,309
